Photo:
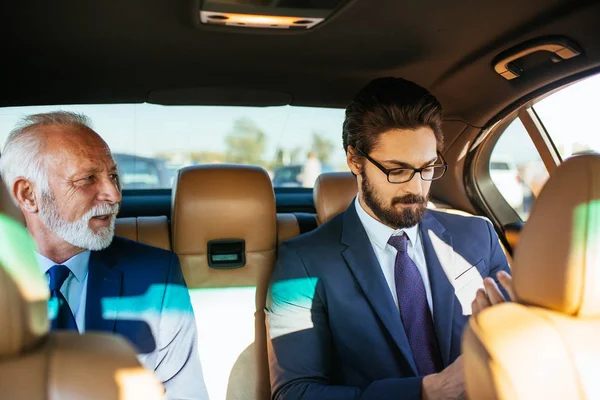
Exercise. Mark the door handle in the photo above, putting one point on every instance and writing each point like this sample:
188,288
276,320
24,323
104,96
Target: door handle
561,49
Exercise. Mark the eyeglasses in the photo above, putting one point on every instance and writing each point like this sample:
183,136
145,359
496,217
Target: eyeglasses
402,175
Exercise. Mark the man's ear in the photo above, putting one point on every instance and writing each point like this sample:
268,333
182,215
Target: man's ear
24,192
352,161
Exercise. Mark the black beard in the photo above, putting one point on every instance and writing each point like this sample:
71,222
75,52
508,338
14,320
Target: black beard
390,216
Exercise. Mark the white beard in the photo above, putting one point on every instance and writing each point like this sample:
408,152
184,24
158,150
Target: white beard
79,233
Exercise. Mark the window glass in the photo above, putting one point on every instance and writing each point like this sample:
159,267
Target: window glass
570,117
151,142
516,168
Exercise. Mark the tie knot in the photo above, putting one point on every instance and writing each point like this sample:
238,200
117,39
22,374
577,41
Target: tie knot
399,242
58,275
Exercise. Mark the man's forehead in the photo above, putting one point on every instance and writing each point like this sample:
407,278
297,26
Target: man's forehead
410,146
74,138
73,145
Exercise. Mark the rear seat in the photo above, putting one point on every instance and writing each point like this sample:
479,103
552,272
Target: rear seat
153,231
287,227
235,204
333,193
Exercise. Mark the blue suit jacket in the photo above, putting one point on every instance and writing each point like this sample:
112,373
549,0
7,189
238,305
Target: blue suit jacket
138,291
334,330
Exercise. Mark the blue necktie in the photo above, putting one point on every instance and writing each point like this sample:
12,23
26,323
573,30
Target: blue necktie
64,317
414,310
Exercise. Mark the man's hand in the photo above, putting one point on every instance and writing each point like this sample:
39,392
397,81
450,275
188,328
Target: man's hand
446,385
492,295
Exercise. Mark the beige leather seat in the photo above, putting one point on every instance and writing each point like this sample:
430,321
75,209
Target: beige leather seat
35,364
153,231
333,193
234,204
287,227
546,345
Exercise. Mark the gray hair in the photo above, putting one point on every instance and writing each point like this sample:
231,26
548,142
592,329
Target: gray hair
22,155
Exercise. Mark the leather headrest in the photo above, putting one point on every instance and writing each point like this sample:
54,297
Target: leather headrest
23,291
333,193
557,262
223,202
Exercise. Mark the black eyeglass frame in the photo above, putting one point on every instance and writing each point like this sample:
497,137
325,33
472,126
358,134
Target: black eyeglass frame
387,172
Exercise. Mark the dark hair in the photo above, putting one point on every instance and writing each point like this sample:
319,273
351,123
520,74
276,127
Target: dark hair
390,103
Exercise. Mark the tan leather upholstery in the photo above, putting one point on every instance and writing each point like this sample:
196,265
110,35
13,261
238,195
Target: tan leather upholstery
224,202
228,202
287,227
545,345
23,299
153,231
560,243
68,366
333,193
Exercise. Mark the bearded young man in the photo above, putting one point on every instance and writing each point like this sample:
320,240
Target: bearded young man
372,305
63,177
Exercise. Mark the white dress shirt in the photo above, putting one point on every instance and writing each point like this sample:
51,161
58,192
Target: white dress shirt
75,286
379,234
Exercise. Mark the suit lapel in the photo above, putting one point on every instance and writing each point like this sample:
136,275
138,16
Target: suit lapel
439,255
363,263
104,281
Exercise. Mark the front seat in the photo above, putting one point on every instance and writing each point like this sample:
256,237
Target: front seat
38,365
224,232
546,344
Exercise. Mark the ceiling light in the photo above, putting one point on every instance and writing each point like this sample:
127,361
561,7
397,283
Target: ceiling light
257,21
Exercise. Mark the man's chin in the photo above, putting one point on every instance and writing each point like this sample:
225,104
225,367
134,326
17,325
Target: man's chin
94,241
404,216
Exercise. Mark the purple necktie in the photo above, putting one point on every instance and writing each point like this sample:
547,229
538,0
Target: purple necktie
414,310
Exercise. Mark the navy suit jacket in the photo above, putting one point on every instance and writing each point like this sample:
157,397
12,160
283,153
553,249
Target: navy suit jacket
139,292
334,330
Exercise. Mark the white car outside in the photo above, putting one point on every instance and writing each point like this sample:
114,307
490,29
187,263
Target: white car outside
505,176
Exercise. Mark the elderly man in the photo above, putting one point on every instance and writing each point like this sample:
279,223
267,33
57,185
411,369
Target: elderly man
62,176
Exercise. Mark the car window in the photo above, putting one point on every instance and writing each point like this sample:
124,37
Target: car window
516,168
151,142
567,118
143,173
570,116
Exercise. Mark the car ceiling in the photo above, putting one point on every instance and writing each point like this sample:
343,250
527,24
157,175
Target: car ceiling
69,52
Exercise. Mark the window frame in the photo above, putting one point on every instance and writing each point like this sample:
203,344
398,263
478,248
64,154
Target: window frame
481,190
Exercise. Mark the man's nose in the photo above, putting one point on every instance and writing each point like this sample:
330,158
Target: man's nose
415,185
109,192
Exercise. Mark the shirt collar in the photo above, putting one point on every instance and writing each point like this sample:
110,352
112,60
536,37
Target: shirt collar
379,233
78,264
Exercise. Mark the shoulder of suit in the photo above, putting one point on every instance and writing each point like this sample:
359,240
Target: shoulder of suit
324,235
